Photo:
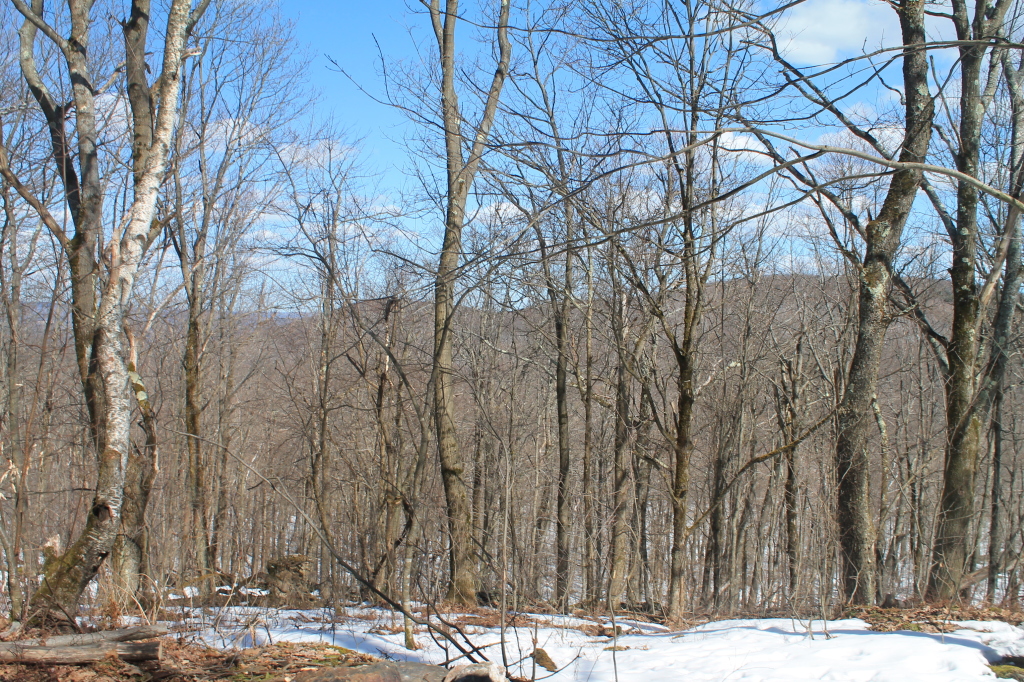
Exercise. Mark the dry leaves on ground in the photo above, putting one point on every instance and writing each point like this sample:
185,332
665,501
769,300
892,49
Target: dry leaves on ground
934,619
192,663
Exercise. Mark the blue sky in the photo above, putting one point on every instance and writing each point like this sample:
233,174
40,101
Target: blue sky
355,33
346,33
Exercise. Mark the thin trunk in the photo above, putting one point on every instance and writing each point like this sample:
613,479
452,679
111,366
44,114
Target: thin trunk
563,528
1005,316
792,528
195,472
558,299
481,463
619,558
789,405
463,574
225,430
590,562
19,455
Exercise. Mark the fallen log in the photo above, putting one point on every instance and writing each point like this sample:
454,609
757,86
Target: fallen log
123,635
131,652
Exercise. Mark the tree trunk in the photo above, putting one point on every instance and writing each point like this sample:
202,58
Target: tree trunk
719,557
130,652
591,568
195,471
131,545
558,299
19,453
952,549
683,453
463,575
563,527
66,576
619,558
883,236
1013,276
462,560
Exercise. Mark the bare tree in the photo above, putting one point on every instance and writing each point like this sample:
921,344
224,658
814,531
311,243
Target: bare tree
964,410
882,238
99,322
237,97
463,151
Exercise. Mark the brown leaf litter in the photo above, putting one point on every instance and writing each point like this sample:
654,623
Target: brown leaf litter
933,619
194,663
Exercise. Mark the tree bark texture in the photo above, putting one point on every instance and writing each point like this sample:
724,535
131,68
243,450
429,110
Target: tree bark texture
463,574
953,544
854,419
130,652
66,576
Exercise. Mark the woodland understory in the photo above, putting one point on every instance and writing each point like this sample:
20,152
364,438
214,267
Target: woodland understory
662,320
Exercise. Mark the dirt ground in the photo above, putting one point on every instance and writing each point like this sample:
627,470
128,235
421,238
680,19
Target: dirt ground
191,663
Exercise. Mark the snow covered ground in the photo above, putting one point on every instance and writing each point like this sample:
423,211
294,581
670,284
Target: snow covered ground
750,650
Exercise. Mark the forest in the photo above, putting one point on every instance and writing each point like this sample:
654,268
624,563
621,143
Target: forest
669,315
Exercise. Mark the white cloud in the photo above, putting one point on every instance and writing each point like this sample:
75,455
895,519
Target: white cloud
318,153
498,212
234,133
824,31
113,116
745,146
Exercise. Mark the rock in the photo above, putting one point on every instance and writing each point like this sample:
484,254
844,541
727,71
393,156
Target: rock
420,672
476,672
288,580
891,602
541,658
375,672
645,607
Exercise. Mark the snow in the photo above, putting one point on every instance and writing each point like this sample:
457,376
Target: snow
749,650
1001,638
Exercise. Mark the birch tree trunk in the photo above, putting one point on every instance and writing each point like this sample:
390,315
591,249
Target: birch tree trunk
66,576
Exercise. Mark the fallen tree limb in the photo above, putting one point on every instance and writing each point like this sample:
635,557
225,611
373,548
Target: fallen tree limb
132,652
123,635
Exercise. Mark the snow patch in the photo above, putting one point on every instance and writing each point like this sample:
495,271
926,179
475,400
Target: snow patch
751,650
